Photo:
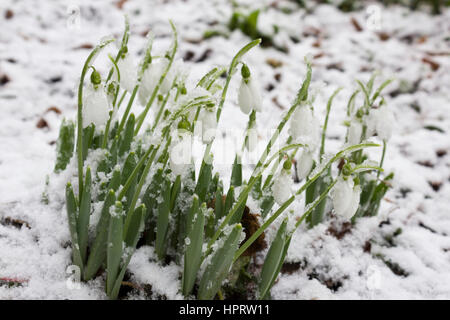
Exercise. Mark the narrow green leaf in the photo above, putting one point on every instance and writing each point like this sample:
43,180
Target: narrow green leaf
219,265
84,215
236,173
71,204
193,254
98,248
174,192
219,205
204,179
162,222
129,252
128,134
65,144
114,246
88,135
272,262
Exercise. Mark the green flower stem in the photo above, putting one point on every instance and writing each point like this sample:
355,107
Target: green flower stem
86,66
126,35
250,125
127,109
382,157
160,111
275,167
155,90
325,125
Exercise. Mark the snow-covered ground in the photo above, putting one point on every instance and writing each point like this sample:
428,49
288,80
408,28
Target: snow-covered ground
403,253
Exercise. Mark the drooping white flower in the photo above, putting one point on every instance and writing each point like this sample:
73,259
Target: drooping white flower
354,132
345,196
177,70
249,96
95,106
282,187
304,164
305,127
209,125
150,79
128,72
380,121
181,153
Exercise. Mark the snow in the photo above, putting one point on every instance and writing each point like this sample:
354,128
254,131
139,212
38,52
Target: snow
41,51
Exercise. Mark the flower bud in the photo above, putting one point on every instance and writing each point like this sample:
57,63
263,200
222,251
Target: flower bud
96,79
287,165
245,72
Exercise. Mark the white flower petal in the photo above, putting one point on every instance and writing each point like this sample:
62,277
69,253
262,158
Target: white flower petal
245,98
282,187
95,107
304,164
354,132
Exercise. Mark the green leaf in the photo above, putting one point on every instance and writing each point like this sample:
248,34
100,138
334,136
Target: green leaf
98,248
114,246
128,167
88,135
229,200
274,258
162,222
136,226
204,179
127,135
266,205
84,215
174,192
65,144
71,204
152,192
139,221
219,205
217,269
193,254
236,173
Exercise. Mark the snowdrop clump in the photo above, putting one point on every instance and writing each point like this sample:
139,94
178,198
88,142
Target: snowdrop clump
144,179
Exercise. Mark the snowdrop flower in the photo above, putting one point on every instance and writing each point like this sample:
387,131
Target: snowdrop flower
354,132
150,79
381,122
304,164
345,196
95,103
128,72
209,125
305,127
249,95
282,185
181,152
177,70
